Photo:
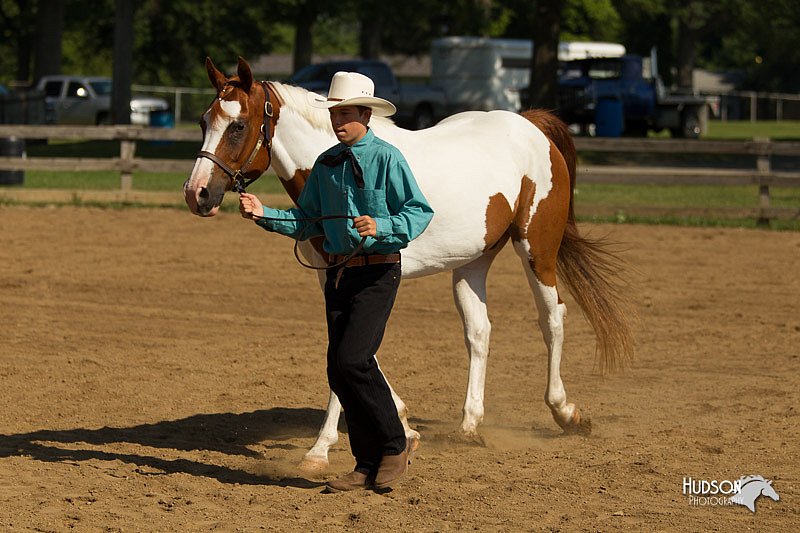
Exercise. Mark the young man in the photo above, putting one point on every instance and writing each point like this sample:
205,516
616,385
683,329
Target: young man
369,179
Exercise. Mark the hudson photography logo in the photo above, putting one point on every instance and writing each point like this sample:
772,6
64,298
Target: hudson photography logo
743,491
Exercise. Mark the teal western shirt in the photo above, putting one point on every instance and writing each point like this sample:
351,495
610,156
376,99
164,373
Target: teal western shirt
390,196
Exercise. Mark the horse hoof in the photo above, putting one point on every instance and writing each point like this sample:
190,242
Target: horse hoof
471,438
578,424
313,465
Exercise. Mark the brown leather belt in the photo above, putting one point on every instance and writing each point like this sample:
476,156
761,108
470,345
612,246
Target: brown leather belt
363,260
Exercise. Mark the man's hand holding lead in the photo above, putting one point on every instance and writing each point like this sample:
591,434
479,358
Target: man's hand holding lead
250,206
366,226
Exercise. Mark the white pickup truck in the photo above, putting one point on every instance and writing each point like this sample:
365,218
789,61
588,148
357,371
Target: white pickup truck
87,100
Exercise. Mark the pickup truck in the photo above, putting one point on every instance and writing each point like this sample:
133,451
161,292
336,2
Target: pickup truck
418,106
588,86
87,100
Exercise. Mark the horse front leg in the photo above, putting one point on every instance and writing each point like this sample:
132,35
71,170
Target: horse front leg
469,291
316,459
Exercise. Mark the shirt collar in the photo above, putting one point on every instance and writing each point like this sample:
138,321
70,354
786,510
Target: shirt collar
364,143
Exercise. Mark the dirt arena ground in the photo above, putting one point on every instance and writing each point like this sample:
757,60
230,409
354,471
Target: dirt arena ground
161,372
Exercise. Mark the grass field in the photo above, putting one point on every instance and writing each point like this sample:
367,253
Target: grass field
785,130
586,195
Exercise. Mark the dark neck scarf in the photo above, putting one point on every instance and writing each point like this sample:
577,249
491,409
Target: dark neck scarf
346,155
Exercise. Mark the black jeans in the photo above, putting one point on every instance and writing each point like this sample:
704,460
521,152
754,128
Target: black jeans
357,311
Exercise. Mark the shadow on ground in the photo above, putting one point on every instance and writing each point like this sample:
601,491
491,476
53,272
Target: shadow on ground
227,433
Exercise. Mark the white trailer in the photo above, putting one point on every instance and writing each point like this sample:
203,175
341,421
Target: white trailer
478,73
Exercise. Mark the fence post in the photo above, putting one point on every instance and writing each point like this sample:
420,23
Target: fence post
178,98
127,149
763,168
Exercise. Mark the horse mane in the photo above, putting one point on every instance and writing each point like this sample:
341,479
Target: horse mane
747,479
296,98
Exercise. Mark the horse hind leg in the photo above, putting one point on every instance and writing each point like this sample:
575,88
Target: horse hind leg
552,312
537,240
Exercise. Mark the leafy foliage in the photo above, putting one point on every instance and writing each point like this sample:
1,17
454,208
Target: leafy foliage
172,37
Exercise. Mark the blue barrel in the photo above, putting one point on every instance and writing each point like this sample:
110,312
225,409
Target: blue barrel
609,118
162,118
12,147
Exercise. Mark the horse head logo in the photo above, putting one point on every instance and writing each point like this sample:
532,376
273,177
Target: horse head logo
751,487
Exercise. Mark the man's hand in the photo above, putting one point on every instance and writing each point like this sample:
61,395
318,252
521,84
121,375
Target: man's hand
250,206
366,226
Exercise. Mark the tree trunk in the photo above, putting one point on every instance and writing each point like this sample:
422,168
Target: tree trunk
49,23
25,41
689,23
543,91
370,44
303,38
123,63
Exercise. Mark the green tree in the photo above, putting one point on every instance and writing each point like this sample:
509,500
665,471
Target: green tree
17,29
173,37
590,20
760,40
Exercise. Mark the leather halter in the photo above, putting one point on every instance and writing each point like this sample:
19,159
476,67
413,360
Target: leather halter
238,182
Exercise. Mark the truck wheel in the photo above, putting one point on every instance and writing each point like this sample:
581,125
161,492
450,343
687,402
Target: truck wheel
103,119
690,127
423,117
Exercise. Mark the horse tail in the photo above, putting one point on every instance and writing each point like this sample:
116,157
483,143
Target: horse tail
592,273
589,268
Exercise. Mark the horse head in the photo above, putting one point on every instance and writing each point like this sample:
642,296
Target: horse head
768,491
238,127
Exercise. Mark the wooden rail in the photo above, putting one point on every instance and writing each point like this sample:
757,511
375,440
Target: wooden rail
126,164
762,175
762,149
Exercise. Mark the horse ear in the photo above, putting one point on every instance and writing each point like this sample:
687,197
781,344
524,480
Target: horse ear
245,74
216,77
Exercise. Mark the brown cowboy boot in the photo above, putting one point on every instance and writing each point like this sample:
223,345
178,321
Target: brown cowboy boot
355,480
391,469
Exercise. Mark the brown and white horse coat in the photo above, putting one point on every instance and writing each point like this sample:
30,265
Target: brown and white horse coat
489,176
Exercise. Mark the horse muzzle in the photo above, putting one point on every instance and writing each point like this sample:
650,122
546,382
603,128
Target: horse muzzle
203,201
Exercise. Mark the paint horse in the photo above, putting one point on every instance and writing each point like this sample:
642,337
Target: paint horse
490,177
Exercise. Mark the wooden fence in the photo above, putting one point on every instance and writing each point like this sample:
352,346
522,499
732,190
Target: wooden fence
761,175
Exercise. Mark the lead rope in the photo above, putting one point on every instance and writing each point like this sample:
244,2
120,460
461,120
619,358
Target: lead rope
310,222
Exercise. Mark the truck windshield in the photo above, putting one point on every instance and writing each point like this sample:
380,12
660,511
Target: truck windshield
312,73
101,87
604,70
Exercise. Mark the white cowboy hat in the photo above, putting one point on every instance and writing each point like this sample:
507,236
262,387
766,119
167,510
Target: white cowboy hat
352,88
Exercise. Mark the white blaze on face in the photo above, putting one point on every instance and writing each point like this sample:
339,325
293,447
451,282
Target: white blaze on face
201,172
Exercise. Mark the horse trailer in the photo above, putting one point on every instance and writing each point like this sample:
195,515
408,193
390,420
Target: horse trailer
478,73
